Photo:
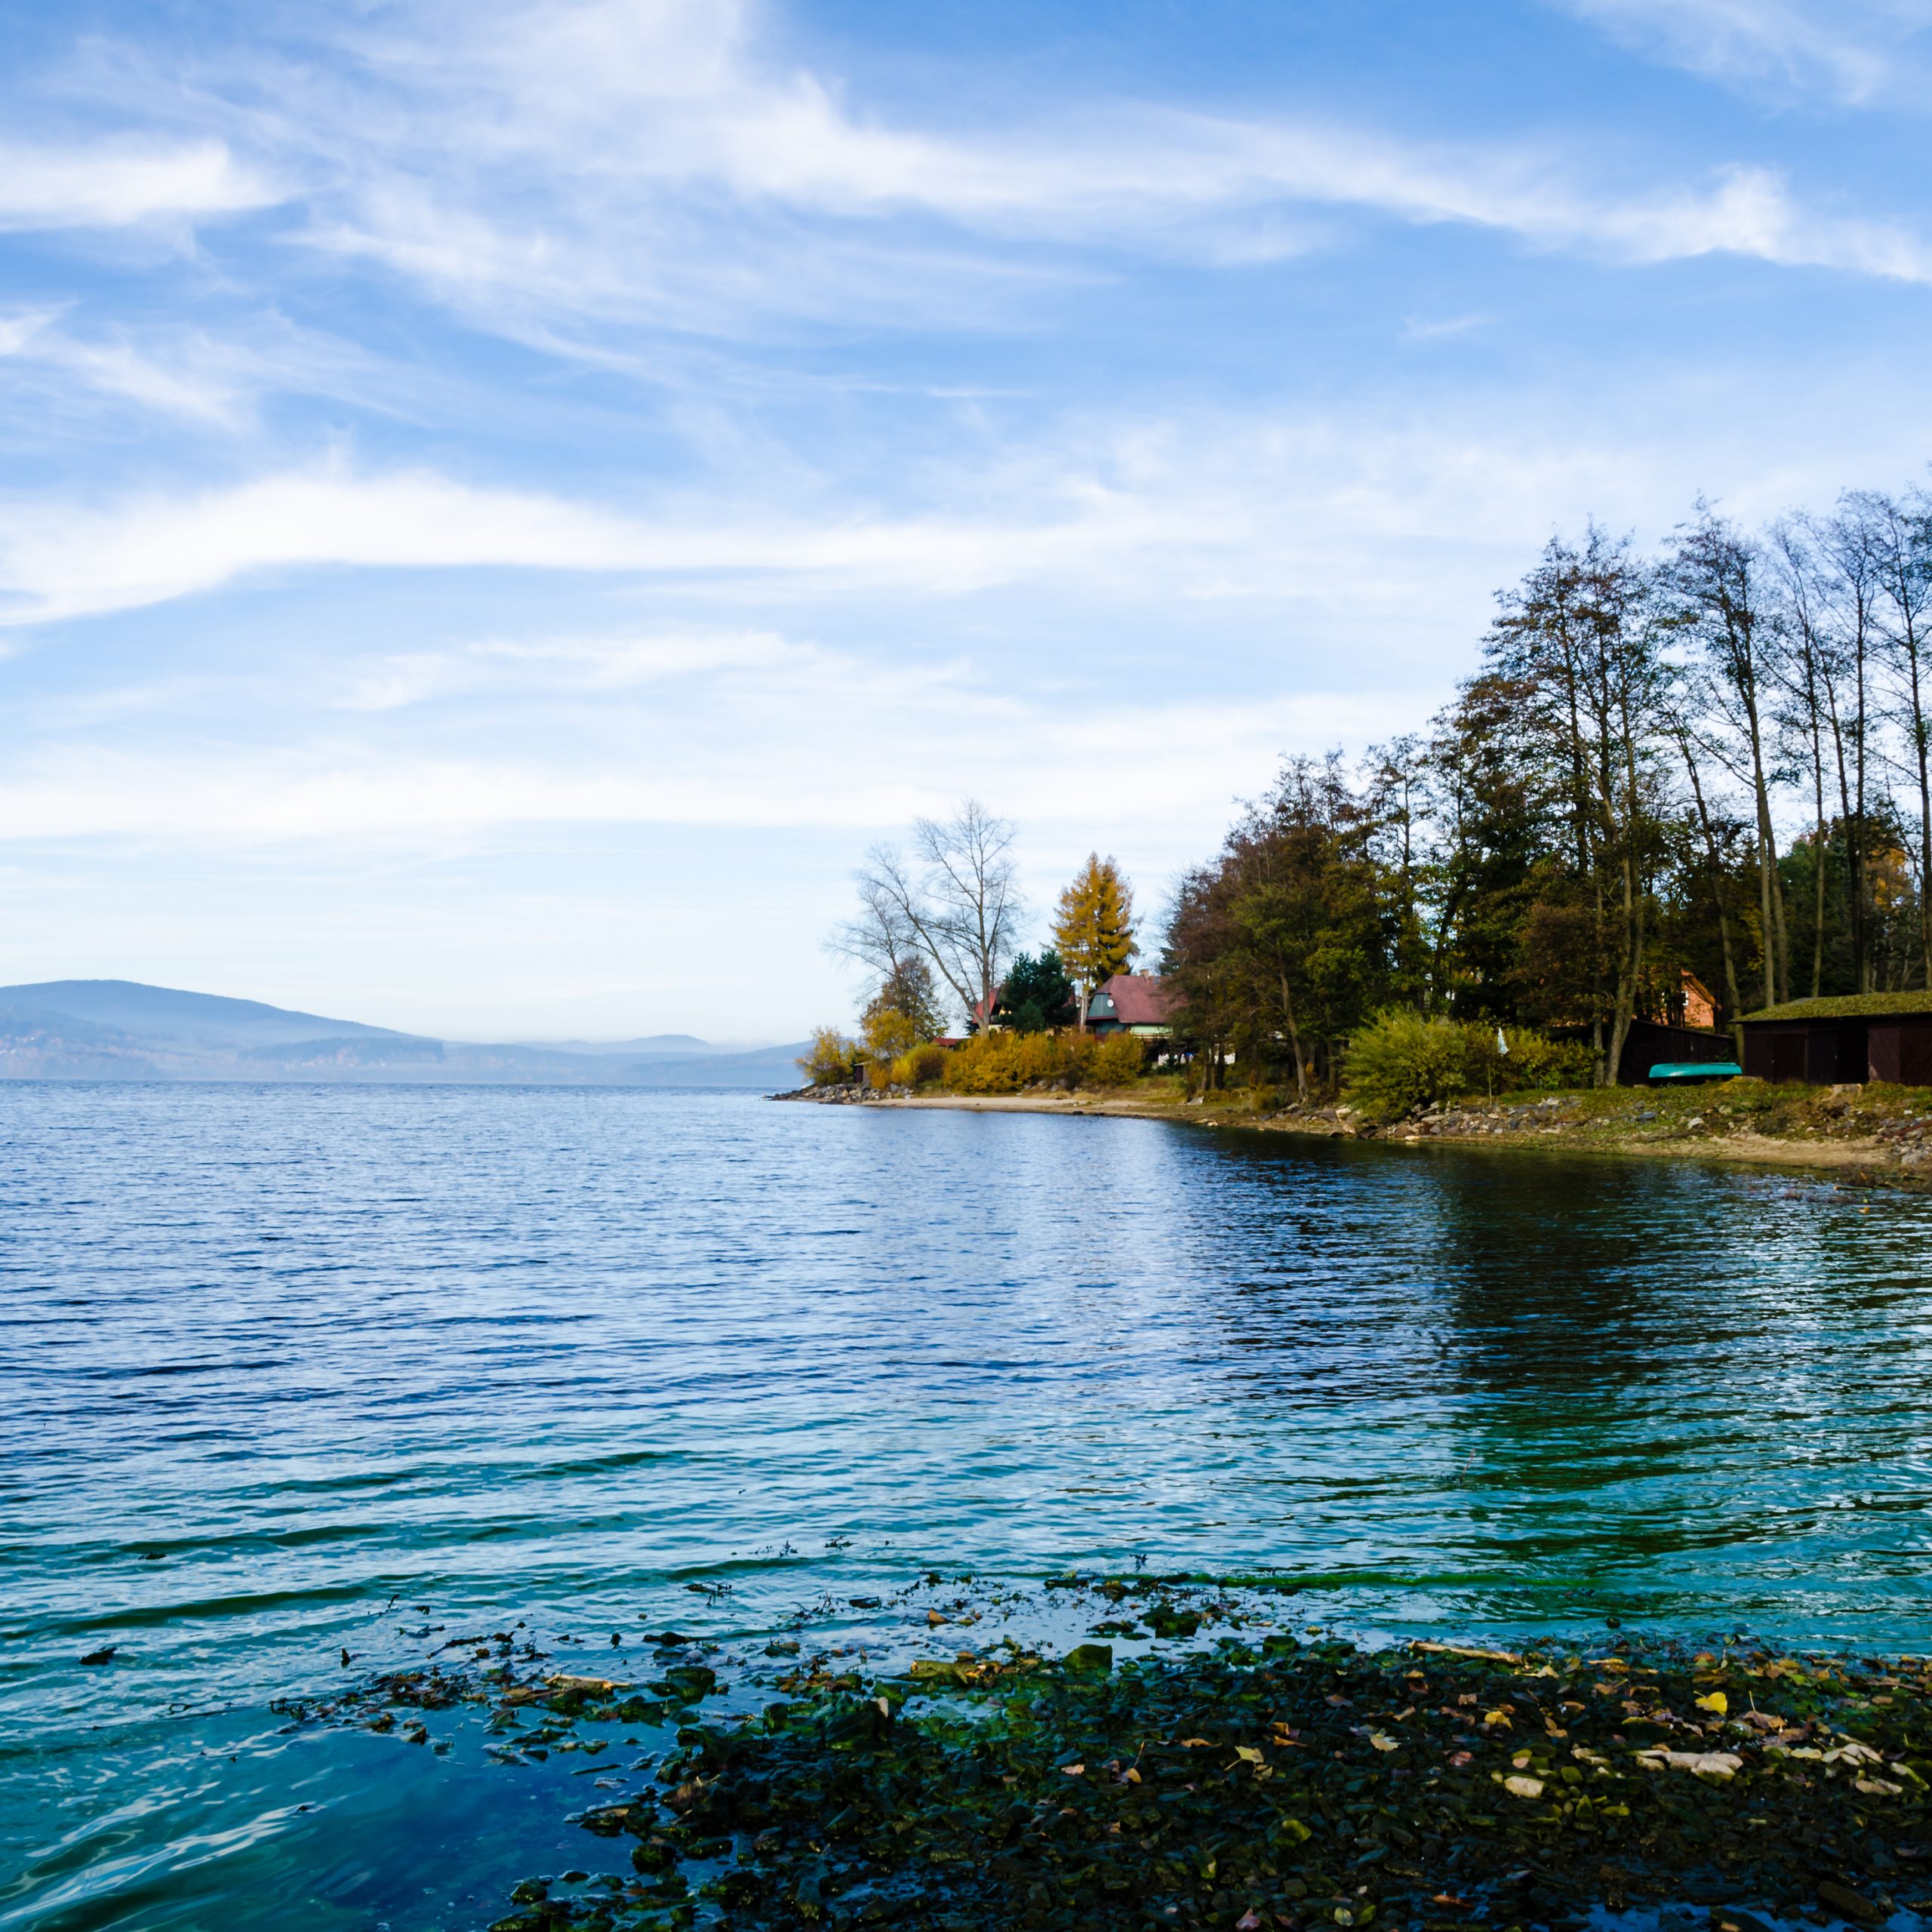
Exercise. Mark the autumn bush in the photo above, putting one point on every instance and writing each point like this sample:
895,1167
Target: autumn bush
832,1058
998,1062
889,1033
1118,1060
1002,1062
921,1065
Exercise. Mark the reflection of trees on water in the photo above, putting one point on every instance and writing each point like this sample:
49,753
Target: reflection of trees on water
1588,1383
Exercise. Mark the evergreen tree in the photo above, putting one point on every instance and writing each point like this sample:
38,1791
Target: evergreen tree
1036,994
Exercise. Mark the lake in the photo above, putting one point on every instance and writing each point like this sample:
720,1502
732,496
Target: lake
294,1371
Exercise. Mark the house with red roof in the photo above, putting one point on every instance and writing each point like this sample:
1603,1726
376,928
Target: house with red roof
1133,1003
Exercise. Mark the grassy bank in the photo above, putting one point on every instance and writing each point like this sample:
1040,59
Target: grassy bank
1875,1132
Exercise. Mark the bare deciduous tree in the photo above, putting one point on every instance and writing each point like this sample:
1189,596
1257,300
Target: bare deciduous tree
956,903
1899,536
1715,576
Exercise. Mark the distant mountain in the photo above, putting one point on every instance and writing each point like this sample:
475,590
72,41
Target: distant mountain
654,1046
160,1013
119,1030
769,1068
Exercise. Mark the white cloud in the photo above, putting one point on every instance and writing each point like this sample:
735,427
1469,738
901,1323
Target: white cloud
64,561
735,748
1296,512
1857,52
121,183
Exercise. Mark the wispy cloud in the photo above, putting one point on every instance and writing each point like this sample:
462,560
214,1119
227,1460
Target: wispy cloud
1857,52
563,172
122,182
189,375
59,561
587,133
1297,511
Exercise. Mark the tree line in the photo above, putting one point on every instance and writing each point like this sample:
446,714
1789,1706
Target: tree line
1713,757
937,930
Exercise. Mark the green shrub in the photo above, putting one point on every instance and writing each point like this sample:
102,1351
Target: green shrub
1540,1062
1534,1062
1401,1060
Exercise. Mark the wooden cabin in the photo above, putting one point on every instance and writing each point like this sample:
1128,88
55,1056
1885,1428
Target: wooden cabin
1859,1037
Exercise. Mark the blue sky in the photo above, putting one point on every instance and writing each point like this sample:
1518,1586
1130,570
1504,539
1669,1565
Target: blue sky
505,503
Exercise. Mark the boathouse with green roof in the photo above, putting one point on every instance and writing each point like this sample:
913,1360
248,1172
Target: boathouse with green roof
1860,1036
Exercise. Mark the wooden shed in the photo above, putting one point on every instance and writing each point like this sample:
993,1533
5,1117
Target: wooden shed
1859,1036
1647,1043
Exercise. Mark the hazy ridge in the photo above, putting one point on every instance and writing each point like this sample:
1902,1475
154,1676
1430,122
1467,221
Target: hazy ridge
120,1029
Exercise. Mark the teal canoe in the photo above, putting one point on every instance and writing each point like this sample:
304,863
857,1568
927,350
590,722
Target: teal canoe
1675,1073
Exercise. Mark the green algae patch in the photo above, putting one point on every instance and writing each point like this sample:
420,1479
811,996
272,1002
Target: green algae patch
1296,1785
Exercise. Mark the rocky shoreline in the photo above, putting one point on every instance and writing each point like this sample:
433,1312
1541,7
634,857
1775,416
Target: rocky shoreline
1261,1779
1869,1136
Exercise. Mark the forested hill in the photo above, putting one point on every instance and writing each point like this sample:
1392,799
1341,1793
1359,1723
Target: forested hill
120,1029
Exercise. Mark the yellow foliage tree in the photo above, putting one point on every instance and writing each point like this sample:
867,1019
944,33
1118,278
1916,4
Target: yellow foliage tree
833,1059
888,1032
1094,926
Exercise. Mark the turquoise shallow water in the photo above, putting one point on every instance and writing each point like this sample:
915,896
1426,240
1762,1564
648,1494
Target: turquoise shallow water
289,1371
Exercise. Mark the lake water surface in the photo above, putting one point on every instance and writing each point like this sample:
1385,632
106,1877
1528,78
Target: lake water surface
290,1371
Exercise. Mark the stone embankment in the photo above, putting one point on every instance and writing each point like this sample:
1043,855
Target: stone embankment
853,1094
1867,1134
1877,1131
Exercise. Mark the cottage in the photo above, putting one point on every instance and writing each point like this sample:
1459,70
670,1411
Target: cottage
1696,1006
1132,1003
1861,1036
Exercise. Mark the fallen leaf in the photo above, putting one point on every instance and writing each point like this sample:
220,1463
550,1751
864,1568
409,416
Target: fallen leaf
1522,1787
1717,1701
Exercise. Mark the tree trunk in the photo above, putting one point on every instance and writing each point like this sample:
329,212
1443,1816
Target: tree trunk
1919,749
1733,1000
1821,847
1294,1040
1770,901
1630,951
